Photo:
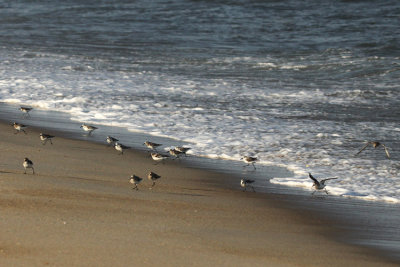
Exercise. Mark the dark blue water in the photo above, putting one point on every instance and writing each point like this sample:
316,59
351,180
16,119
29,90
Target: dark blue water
198,30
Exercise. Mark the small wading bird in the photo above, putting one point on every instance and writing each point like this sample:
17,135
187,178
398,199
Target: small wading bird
175,153
246,183
120,148
111,140
45,138
319,185
88,128
152,145
153,177
158,157
375,145
28,164
25,110
182,149
135,180
249,160
19,127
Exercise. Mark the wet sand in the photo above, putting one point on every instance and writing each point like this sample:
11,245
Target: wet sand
78,209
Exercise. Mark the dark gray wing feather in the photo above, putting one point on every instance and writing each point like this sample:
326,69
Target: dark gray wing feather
386,151
364,147
312,177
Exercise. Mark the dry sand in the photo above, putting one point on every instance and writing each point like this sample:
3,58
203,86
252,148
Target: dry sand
78,209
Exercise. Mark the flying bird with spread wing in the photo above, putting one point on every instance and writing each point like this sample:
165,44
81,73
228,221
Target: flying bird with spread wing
320,185
375,144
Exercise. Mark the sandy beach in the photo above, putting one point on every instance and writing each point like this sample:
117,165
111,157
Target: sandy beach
78,209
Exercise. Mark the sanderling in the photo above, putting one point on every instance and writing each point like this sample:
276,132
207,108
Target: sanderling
88,128
19,127
135,180
25,110
153,177
120,147
320,185
175,153
28,164
375,145
152,145
249,160
158,157
45,138
182,149
245,183
111,140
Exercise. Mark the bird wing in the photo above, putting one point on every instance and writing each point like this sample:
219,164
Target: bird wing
156,176
386,150
248,181
326,179
312,177
364,147
137,178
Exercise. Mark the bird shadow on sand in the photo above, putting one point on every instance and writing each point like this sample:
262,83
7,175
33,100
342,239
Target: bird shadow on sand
6,172
195,189
184,194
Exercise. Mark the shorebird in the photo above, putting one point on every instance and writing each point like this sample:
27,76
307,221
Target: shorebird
182,149
245,183
88,128
45,138
28,164
25,110
158,157
120,147
152,145
111,140
19,127
135,180
320,185
375,145
153,177
175,153
249,160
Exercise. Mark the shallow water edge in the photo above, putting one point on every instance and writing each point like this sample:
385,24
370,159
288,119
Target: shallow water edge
371,224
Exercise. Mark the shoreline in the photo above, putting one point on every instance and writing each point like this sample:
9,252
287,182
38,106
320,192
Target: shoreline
184,189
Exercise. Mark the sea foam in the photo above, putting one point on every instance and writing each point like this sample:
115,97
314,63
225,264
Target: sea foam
220,119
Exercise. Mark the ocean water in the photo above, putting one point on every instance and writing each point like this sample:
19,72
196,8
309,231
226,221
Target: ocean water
299,84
